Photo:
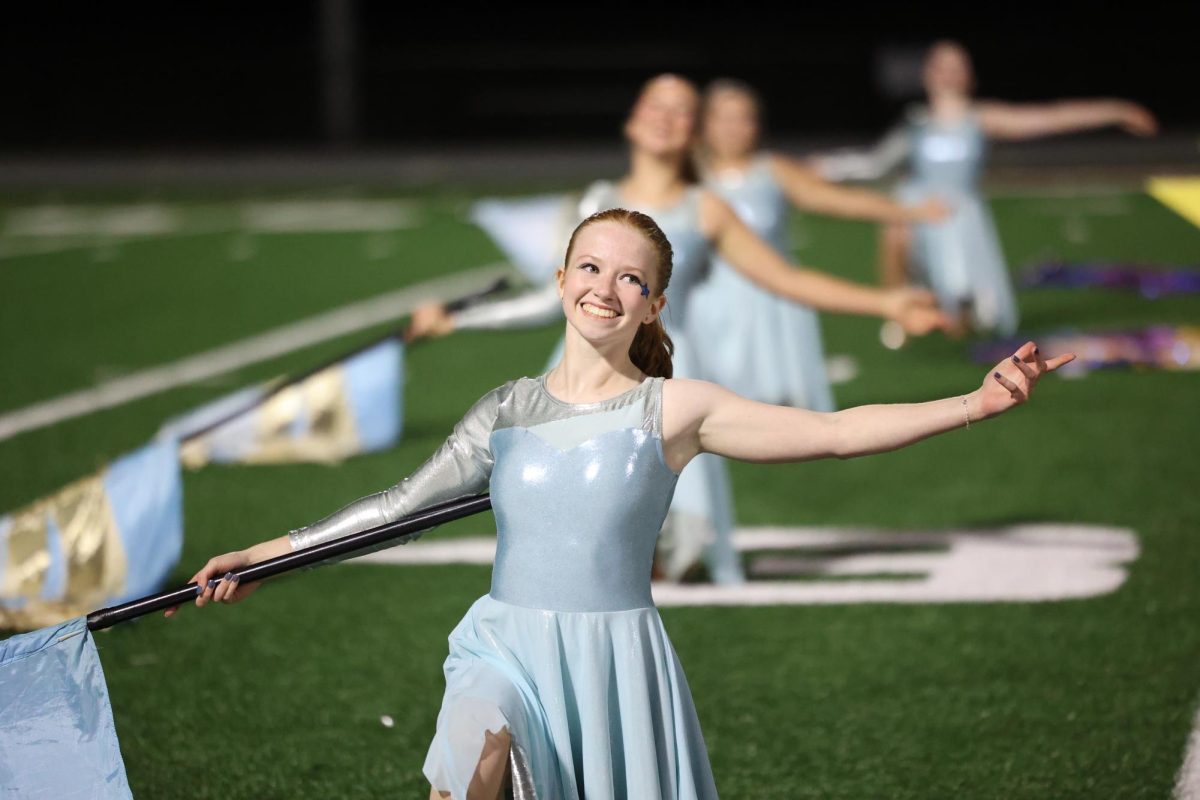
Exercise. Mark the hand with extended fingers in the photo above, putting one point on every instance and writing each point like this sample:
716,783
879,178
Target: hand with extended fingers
916,310
1136,119
1013,380
220,583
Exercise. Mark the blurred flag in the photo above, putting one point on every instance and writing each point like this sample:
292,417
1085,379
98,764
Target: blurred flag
57,738
351,406
532,232
1169,347
1181,195
1149,281
102,540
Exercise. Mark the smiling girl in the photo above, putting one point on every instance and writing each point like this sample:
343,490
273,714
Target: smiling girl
699,225
561,682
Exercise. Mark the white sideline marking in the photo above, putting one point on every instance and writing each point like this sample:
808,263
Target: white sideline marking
55,228
261,347
300,216
55,221
1187,782
1018,563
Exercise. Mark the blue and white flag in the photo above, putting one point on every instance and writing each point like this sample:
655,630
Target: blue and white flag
57,737
532,232
353,406
107,538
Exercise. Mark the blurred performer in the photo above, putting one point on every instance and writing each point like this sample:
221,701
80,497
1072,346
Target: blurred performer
945,144
661,183
752,341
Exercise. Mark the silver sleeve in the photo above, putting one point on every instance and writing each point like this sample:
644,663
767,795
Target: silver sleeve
868,164
530,309
461,467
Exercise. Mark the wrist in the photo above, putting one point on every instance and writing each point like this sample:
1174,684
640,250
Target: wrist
973,407
891,303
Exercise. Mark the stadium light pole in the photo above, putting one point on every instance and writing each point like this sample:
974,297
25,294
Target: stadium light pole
338,47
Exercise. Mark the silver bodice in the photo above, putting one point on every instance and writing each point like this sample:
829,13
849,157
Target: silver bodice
580,492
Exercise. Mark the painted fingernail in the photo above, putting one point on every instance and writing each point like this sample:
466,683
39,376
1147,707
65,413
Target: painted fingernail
235,578
213,583
228,576
199,589
1036,351
1016,360
996,375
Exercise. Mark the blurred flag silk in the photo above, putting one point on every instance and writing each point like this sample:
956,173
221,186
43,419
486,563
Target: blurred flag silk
350,407
532,232
57,737
102,540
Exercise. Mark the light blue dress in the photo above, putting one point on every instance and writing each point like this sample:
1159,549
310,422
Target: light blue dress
700,523
566,652
958,258
961,257
758,344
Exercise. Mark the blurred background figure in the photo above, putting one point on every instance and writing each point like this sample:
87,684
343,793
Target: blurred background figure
759,344
944,144
662,182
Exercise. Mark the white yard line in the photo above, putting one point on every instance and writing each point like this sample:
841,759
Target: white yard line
261,347
1035,562
1187,782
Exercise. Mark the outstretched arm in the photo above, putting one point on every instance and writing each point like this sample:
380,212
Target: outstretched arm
807,190
759,262
531,308
869,164
702,417
1031,120
461,467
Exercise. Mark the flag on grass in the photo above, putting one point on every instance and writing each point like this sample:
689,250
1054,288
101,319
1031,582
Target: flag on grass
349,407
107,538
57,737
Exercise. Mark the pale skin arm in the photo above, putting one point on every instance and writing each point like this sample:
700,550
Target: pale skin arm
758,261
807,190
703,417
230,591
1033,120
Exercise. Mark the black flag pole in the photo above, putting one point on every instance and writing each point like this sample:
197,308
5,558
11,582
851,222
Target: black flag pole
458,304
346,545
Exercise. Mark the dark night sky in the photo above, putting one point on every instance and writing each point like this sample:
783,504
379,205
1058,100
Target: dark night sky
217,76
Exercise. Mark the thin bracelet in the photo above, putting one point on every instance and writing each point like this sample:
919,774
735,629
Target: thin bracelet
966,411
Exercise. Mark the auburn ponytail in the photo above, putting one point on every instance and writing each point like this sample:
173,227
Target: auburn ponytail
652,349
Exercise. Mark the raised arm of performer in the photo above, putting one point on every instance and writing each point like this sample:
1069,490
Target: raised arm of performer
1002,120
742,249
703,417
808,191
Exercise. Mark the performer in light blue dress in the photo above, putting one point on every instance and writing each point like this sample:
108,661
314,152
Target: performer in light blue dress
561,682
752,341
945,146
698,224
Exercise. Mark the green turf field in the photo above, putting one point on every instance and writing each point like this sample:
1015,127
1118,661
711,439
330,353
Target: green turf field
282,696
